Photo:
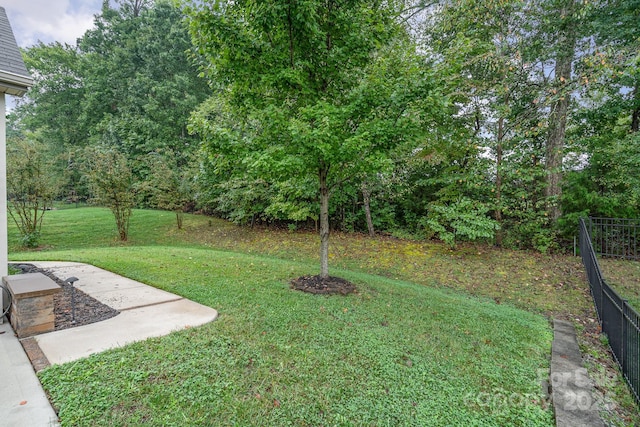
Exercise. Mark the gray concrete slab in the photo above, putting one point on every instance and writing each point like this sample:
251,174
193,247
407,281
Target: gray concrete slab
109,288
129,326
23,402
574,400
145,312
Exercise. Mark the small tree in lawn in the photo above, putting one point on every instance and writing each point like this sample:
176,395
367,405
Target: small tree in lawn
31,187
294,77
171,187
111,182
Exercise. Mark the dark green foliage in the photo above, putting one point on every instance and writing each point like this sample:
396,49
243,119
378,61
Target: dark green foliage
296,104
141,84
54,105
129,84
169,186
604,180
460,219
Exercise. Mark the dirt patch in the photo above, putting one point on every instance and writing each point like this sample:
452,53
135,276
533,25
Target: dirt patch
319,285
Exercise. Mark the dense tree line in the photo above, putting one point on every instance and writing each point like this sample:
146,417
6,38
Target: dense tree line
501,121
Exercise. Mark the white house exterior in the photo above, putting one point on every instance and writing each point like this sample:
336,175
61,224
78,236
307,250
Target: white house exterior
14,80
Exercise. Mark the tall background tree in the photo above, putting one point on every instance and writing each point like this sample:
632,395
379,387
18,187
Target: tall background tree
128,84
605,179
140,84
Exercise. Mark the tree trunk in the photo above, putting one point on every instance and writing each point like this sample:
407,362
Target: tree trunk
635,115
498,211
179,218
559,111
366,197
324,221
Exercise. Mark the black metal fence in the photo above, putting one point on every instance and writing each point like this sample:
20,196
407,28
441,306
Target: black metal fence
618,320
615,237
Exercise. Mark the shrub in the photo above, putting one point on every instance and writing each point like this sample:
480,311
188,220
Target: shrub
111,182
463,218
31,187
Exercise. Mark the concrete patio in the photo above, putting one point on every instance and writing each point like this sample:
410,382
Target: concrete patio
145,312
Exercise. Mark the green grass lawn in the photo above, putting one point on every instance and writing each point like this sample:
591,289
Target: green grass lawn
395,353
550,285
461,351
624,277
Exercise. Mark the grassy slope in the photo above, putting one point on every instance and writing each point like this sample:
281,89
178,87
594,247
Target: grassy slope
624,277
395,353
552,285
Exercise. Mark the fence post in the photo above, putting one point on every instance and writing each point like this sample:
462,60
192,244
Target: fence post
601,283
623,340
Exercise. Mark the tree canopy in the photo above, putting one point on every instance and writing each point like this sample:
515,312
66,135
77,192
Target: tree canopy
500,121
306,83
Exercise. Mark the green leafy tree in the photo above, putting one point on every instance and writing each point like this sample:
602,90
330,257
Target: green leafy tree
480,44
54,103
604,180
53,108
290,72
171,187
128,83
112,184
140,85
508,66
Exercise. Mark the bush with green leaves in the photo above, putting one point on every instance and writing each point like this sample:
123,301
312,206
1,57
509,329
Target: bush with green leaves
463,219
530,229
170,186
31,187
112,184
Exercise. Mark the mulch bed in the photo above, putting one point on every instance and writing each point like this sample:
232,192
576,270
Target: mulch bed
87,309
318,285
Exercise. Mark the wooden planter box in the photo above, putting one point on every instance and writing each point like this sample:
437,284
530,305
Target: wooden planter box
32,303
